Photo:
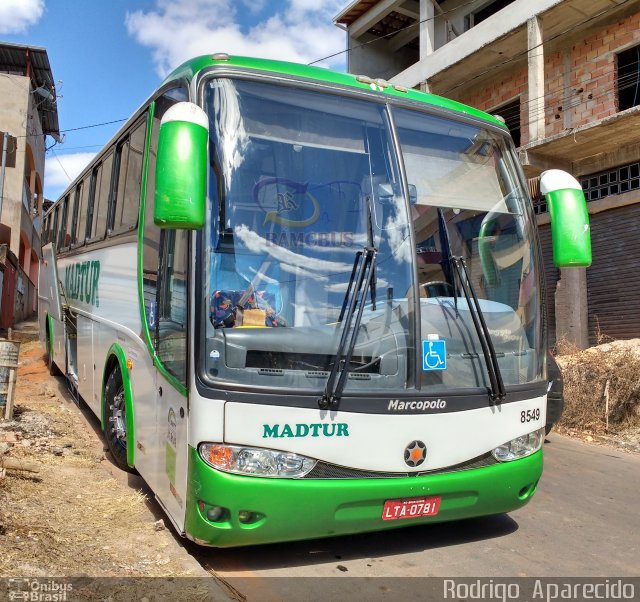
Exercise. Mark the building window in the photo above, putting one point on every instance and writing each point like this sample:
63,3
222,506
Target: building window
614,181
628,82
485,12
510,112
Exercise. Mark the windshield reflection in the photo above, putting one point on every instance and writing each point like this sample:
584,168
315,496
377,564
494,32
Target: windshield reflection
301,183
306,182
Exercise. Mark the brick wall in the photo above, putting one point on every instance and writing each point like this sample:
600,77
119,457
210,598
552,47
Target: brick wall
591,94
496,92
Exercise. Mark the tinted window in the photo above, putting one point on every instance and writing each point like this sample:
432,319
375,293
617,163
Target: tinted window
102,186
124,215
63,241
73,227
84,206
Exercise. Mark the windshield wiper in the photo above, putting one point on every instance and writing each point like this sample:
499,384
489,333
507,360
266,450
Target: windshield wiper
362,274
455,266
497,392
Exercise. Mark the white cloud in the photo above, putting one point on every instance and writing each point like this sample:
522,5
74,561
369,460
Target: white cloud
17,15
295,30
60,170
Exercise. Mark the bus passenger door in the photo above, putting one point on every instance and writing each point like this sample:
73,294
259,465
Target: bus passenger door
170,327
49,304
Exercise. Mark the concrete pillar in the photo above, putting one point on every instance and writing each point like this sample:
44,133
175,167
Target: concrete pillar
572,320
535,79
427,29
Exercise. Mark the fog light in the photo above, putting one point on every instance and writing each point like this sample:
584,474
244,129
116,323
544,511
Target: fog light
215,514
247,517
520,447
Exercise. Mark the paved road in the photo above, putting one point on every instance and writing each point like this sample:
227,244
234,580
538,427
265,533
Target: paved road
583,521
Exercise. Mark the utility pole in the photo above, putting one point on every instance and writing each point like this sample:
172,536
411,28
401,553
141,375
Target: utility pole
3,170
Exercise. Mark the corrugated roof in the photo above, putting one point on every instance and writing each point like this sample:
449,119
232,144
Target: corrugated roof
33,61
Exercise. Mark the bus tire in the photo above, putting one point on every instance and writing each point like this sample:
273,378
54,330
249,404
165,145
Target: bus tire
115,424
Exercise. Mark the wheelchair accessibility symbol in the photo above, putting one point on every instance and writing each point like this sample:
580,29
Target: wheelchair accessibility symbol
434,355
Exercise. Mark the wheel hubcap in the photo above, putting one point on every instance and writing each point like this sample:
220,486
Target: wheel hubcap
118,418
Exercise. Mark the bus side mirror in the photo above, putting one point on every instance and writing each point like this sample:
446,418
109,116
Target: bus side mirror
570,233
181,168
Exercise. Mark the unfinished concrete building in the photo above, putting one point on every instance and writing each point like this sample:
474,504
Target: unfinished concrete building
28,113
565,75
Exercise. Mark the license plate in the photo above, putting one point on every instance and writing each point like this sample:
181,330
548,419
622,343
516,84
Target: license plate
411,508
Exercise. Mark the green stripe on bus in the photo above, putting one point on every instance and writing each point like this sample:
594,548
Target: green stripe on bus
49,341
321,75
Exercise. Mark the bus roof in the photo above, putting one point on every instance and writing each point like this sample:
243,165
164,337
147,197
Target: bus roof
190,68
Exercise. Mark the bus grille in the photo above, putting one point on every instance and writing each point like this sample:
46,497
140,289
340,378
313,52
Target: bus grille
324,470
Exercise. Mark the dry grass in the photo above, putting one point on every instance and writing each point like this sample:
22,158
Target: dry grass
612,369
72,517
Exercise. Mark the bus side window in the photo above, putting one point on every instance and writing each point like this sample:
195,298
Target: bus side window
123,215
171,324
81,233
54,231
73,227
62,223
102,187
91,201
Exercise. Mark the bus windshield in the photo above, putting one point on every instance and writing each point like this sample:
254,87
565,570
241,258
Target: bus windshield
469,204
301,184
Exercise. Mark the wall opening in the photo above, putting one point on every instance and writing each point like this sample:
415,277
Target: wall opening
485,12
510,112
628,80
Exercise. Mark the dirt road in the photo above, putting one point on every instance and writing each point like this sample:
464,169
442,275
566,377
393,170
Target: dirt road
78,515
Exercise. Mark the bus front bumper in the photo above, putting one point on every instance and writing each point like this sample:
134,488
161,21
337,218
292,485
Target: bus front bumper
259,510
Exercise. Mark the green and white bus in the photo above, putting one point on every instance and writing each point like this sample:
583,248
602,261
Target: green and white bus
304,303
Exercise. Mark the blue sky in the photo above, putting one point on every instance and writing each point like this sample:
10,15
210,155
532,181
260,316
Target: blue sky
107,56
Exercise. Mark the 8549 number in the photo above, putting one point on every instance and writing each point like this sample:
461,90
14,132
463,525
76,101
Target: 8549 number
530,415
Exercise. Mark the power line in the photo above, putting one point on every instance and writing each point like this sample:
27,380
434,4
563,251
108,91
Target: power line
498,65
61,166
393,33
544,41
71,148
93,125
622,83
83,127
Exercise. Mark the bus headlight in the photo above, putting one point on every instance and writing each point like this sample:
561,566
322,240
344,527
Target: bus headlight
520,447
255,461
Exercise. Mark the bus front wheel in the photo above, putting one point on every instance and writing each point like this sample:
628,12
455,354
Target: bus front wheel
115,427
